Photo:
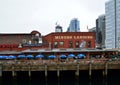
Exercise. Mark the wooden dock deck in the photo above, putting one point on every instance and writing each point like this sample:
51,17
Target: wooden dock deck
51,65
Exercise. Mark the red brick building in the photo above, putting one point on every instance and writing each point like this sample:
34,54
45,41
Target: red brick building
71,40
53,40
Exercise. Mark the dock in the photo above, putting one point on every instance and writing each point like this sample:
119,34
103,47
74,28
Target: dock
48,65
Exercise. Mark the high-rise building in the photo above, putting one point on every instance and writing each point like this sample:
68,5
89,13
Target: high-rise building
74,26
112,9
100,31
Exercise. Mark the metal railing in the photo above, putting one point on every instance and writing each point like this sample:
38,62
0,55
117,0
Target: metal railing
57,61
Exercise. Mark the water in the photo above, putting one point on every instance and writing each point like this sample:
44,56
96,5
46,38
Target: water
66,78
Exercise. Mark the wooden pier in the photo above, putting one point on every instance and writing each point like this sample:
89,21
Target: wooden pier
48,65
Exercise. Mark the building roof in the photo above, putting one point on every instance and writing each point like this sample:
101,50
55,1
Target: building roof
71,33
9,52
17,38
13,38
67,50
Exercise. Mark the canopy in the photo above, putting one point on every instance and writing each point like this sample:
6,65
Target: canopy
39,56
81,56
29,56
52,56
71,55
21,56
63,56
3,57
11,57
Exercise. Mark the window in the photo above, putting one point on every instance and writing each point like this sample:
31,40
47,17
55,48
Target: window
61,44
56,44
89,44
24,41
70,44
77,44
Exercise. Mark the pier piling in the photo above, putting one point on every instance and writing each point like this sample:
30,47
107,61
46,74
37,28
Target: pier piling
45,70
58,70
106,67
13,72
77,71
90,69
29,72
103,72
0,70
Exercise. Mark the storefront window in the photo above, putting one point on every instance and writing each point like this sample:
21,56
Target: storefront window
89,44
24,41
70,44
61,44
77,44
55,44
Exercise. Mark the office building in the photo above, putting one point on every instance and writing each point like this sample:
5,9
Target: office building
100,31
74,26
112,9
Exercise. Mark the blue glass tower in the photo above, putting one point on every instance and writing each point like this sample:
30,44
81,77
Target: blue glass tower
74,26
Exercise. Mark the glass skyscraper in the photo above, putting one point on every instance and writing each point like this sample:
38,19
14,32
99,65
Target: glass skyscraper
74,26
100,31
112,9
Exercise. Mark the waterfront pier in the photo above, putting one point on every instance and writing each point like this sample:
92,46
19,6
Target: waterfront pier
46,65
93,59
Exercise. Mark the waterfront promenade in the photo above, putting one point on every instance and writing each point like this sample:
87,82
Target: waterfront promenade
57,65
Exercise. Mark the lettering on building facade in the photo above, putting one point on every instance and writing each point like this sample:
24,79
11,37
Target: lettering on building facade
73,37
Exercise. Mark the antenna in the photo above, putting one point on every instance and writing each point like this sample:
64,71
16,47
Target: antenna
87,27
56,23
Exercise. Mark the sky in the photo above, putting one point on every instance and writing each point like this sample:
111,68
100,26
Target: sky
24,16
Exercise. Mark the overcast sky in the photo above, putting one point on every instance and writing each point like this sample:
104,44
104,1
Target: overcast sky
23,16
